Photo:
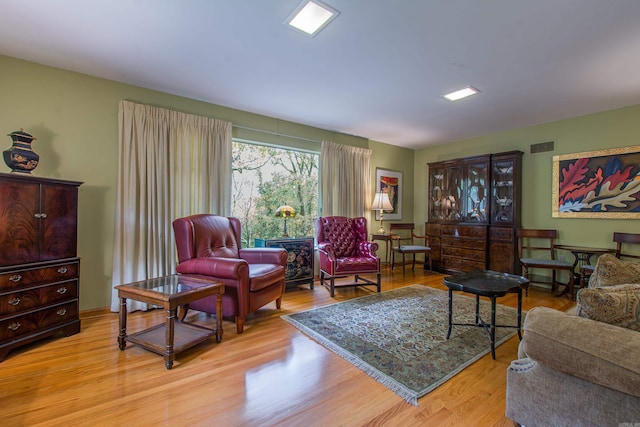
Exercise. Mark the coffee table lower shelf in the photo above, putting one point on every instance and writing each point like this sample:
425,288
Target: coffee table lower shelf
186,335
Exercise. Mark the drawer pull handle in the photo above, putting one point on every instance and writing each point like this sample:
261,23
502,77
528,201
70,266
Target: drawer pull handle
14,301
63,270
61,312
62,290
15,278
14,326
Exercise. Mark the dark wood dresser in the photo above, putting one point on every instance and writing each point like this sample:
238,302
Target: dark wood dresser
39,266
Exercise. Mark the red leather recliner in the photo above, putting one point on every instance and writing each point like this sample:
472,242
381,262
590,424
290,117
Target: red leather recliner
210,246
344,250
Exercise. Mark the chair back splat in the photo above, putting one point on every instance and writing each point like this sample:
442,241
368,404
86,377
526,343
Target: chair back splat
406,241
344,250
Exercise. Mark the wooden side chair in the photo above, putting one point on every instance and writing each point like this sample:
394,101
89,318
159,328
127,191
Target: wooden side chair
402,238
619,238
536,249
628,238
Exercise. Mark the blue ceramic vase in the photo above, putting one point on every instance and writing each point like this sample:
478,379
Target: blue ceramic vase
20,157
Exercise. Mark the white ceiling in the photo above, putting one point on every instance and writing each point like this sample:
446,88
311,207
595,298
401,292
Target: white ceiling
377,71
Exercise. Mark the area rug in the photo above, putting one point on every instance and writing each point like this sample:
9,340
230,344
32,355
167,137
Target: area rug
398,337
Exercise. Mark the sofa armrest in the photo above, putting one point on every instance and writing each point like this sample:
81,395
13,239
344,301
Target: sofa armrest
264,255
223,268
594,351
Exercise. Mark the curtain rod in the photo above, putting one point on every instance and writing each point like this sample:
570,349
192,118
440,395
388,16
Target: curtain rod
276,133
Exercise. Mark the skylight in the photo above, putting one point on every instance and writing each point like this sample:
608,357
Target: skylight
462,93
311,16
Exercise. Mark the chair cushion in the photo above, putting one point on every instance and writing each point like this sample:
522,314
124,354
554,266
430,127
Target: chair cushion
356,265
617,305
262,276
551,263
412,248
614,271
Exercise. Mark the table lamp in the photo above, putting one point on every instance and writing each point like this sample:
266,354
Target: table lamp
285,212
381,203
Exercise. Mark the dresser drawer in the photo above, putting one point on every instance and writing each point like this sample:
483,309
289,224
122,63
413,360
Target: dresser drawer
455,263
463,253
478,245
35,321
21,300
478,232
501,234
19,279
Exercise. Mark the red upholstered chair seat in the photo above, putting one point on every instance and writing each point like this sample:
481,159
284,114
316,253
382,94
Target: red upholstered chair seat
209,246
344,250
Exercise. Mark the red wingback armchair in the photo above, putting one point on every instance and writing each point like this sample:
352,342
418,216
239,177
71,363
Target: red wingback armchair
210,245
344,250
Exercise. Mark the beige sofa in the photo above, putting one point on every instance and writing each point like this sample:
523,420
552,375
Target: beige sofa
582,369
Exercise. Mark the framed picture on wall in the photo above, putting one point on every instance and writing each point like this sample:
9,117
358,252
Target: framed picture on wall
390,182
597,184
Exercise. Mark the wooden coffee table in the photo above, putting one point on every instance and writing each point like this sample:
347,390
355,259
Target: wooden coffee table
490,284
169,292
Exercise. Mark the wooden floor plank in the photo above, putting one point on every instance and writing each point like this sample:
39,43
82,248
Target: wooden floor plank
270,375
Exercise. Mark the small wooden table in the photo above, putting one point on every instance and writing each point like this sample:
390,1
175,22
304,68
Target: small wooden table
169,292
582,255
489,284
386,238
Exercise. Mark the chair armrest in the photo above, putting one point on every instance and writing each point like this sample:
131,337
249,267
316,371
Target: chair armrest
223,268
264,256
327,250
593,351
368,249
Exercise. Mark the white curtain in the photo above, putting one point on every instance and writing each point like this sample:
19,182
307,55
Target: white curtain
170,165
346,180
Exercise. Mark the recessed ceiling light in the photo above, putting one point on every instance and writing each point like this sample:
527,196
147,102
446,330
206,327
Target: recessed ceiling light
311,16
462,93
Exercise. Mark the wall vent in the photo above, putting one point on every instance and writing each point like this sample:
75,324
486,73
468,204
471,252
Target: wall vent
542,147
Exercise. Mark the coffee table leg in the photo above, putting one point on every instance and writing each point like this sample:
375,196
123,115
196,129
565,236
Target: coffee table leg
478,323
219,317
122,336
520,314
450,312
169,356
493,328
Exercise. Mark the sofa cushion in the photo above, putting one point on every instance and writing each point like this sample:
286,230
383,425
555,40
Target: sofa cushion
617,305
590,350
614,271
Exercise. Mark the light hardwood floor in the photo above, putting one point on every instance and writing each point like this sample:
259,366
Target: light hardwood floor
270,375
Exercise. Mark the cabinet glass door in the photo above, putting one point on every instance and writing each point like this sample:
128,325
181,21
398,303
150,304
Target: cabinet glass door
453,203
436,194
503,191
476,198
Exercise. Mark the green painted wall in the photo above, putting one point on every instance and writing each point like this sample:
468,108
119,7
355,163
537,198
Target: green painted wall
610,129
75,120
74,117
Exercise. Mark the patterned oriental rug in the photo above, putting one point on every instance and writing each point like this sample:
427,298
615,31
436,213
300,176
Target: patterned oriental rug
398,337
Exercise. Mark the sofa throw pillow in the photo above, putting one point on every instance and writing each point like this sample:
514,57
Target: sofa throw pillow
617,305
614,271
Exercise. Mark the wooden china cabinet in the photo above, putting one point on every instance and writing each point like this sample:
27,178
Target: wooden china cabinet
473,211
39,267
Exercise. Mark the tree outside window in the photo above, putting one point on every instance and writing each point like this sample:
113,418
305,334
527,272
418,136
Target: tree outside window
266,177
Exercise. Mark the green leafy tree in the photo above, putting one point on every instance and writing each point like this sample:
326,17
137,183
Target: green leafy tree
265,178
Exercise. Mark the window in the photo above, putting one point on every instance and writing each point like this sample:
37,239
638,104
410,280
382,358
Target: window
266,177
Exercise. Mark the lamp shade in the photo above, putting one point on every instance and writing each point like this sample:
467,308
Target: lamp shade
381,202
285,211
